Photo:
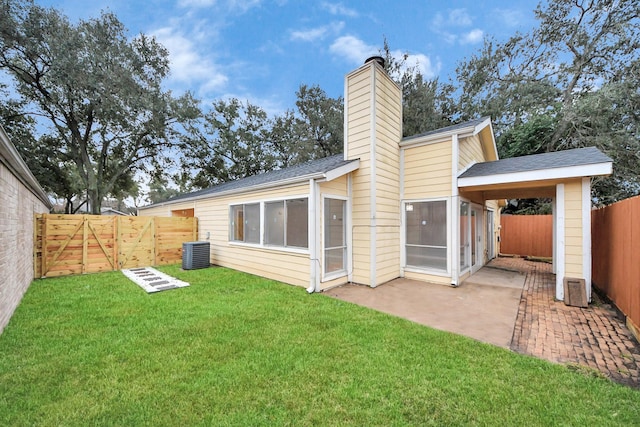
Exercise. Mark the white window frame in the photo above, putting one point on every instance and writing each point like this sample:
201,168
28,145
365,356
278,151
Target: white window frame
286,218
468,202
339,273
262,245
232,221
426,270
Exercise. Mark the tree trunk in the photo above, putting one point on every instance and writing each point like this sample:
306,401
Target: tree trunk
95,201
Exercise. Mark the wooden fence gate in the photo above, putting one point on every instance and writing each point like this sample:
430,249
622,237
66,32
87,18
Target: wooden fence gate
77,244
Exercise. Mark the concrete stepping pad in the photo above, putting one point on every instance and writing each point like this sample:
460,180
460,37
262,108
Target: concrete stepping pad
152,280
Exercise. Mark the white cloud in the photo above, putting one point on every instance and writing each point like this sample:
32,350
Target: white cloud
240,6
459,18
196,3
339,9
509,17
188,66
472,37
356,51
444,24
352,49
317,33
421,62
454,18
243,5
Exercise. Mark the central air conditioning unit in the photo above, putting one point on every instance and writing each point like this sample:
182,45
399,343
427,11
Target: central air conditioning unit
195,255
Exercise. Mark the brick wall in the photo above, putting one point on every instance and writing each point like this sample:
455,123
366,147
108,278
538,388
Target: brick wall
18,204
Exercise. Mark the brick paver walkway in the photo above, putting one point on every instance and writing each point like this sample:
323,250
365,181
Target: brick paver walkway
595,337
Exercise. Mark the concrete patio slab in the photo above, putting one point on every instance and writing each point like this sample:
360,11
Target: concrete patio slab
484,309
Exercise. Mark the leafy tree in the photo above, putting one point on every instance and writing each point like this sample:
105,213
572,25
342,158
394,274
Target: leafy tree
231,144
314,130
99,91
570,82
319,125
288,148
160,190
42,156
55,172
426,104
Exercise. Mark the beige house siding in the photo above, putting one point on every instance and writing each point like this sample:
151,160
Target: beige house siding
470,152
373,110
427,175
283,264
573,228
358,99
387,197
17,210
427,171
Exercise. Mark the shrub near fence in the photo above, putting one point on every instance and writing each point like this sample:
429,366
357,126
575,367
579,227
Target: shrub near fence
77,244
615,251
526,235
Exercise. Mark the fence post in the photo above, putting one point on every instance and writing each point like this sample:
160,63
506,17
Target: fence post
154,240
85,242
116,220
194,227
44,255
36,224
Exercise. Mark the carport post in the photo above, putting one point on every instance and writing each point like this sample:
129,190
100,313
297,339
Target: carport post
559,241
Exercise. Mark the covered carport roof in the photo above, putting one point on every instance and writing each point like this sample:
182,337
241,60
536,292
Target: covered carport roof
533,176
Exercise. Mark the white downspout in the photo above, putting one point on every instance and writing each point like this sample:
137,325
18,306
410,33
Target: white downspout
454,223
560,241
313,247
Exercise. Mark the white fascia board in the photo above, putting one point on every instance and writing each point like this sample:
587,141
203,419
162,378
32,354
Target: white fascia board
446,135
539,175
438,137
328,176
480,126
479,129
342,170
19,168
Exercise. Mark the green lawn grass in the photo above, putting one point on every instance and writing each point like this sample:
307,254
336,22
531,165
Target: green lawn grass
235,349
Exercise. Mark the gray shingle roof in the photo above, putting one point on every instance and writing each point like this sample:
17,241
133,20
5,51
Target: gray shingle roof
557,159
315,167
448,129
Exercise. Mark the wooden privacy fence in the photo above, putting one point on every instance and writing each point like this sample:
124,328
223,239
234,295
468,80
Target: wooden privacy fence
615,251
77,244
526,235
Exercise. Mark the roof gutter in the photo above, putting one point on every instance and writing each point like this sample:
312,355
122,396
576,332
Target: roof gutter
329,176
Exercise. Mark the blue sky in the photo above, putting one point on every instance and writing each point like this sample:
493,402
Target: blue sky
262,50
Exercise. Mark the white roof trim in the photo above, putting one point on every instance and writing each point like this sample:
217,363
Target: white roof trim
539,175
342,170
493,136
462,132
19,168
303,179
478,128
